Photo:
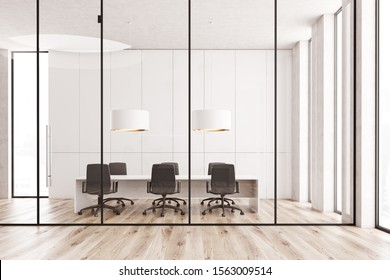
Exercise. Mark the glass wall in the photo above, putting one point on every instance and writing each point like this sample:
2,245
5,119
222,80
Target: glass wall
309,112
232,70
147,77
69,31
119,89
384,117
23,114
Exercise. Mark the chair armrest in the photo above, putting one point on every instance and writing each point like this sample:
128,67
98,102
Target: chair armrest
84,188
237,187
149,187
208,186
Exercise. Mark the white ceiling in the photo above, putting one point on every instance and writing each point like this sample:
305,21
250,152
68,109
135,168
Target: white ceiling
163,24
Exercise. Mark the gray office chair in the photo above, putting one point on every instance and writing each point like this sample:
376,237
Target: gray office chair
118,168
223,182
215,199
93,186
163,182
170,199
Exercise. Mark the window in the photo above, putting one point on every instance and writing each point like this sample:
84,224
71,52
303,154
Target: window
384,116
338,109
24,123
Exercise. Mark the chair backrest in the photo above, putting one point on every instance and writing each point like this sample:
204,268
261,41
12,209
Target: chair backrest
211,164
163,179
223,179
118,168
175,166
93,181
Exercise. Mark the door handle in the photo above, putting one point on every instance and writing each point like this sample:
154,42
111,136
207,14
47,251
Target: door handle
48,156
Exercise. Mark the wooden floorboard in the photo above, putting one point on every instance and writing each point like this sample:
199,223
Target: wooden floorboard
198,242
182,242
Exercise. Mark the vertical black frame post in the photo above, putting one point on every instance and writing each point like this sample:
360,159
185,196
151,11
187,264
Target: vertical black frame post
353,2
12,128
100,21
38,120
276,112
377,120
189,112
377,116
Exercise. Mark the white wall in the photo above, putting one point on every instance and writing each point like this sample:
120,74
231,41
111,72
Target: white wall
157,80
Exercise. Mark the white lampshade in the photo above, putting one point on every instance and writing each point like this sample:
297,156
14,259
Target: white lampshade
211,120
129,120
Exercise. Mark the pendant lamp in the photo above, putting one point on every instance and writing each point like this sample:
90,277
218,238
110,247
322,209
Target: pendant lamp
129,120
212,120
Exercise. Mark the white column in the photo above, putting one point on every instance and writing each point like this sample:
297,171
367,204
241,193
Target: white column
365,111
4,123
347,113
300,125
323,115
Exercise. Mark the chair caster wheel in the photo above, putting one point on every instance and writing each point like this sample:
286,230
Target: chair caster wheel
80,213
209,205
203,213
132,203
242,213
162,215
223,215
123,205
201,203
182,213
154,210
178,205
184,203
175,211
153,203
210,211
144,213
118,213
233,202
232,210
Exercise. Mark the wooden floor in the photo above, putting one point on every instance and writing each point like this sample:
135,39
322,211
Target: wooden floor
192,242
182,242
61,212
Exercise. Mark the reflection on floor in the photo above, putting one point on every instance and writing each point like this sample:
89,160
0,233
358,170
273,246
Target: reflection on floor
23,210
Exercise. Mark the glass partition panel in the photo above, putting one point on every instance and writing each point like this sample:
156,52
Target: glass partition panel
310,116
18,194
146,97
70,32
232,100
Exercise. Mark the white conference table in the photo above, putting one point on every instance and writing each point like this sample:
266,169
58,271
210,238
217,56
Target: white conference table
134,187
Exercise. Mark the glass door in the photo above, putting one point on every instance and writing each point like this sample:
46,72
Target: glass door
19,64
